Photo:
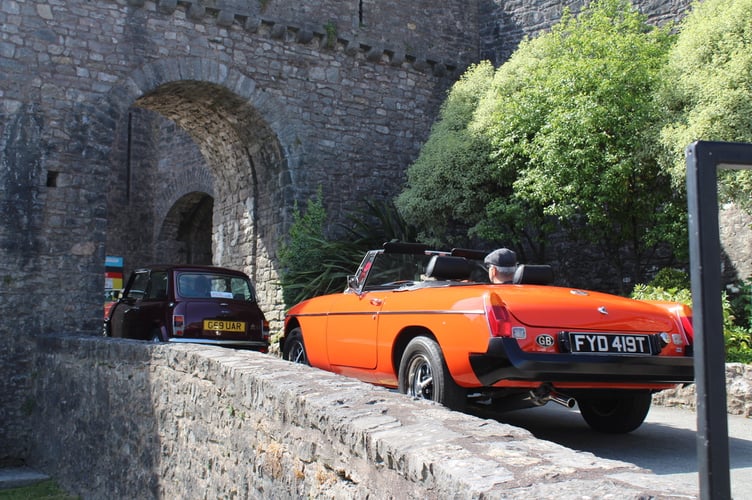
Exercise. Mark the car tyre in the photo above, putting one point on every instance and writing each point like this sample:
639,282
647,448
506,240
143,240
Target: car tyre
156,336
423,374
295,348
615,414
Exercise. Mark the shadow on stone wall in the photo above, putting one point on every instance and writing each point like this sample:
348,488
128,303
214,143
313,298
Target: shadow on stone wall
127,419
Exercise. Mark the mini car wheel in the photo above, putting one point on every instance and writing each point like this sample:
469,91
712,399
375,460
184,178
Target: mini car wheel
615,414
156,336
294,348
423,374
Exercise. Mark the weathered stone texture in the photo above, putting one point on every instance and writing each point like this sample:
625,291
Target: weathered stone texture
278,101
738,392
127,419
277,97
736,241
503,24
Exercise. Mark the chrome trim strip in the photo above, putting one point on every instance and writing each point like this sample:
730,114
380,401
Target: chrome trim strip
462,312
393,313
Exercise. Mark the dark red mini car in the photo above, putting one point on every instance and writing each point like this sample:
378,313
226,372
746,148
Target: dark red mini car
197,304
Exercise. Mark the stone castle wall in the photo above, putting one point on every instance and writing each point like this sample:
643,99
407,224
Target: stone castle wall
126,419
279,98
278,102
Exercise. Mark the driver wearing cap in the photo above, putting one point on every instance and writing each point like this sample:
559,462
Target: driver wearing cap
502,263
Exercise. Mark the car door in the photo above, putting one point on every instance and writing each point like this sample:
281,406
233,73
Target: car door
140,313
351,330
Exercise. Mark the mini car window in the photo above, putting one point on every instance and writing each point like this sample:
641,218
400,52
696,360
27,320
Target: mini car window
241,289
217,286
138,286
194,285
157,286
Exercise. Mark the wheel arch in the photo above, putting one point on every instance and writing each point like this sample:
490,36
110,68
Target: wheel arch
403,338
291,324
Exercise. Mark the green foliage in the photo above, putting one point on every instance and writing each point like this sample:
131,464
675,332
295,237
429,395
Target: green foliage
651,292
708,88
44,490
672,286
741,302
670,278
301,257
330,28
314,264
562,134
574,113
738,345
447,187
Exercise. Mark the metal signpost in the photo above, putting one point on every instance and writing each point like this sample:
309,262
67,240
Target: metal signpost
703,161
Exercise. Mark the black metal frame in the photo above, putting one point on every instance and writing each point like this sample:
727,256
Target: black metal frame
703,161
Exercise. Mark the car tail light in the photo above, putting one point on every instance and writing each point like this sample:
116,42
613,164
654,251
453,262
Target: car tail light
265,330
497,315
178,325
689,329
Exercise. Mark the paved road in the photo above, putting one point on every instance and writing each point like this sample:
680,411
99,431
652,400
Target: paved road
665,443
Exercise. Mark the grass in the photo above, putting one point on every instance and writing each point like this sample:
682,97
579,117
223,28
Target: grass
44,490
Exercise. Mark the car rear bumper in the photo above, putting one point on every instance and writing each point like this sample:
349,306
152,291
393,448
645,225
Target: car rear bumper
504,360
256,345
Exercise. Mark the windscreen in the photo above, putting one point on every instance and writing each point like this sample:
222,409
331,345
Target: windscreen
390,270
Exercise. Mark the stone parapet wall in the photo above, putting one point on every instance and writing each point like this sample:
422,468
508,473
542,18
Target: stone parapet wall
125,419
738,392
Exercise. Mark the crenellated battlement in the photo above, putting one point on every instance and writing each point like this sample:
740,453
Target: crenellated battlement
329,32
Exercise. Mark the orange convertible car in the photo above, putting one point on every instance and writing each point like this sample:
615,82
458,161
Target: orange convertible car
430,324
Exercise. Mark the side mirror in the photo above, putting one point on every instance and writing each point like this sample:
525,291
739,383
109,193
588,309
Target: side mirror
352,282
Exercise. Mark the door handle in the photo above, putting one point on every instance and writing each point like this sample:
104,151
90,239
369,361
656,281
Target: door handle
376,302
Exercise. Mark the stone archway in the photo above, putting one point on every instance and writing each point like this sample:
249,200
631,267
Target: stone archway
207,177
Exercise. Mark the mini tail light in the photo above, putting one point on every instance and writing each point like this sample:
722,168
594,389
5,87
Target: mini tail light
265,329
497,315
178,325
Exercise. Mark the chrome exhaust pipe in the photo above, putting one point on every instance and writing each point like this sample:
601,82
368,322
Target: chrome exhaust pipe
561,399
544,394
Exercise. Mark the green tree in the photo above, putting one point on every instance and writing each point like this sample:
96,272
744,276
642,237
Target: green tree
447,190
585,140
565,136
302,254
708,88
316,263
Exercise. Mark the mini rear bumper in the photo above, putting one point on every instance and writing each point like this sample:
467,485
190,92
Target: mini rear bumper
504,360
256,345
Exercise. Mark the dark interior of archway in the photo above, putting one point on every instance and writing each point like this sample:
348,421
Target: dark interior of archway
185,237
195,232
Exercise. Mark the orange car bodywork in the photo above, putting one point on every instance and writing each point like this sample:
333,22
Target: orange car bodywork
362,332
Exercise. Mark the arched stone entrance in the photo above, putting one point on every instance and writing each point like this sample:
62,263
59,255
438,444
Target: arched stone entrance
204,179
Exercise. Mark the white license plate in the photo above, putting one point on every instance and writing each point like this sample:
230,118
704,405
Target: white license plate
601,343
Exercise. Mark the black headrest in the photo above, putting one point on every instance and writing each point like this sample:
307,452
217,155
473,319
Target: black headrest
533,274
446,267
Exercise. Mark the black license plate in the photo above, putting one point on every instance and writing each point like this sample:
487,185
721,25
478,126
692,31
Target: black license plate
601,343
